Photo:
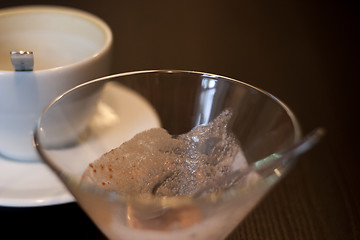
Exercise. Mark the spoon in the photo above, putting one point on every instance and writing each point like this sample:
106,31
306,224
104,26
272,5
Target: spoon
273,163
268,165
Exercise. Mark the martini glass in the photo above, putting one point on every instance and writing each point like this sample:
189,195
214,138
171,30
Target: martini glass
93,118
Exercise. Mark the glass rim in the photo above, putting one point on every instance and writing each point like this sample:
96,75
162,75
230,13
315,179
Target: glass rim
148,198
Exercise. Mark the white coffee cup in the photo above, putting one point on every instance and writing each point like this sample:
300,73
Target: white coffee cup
69,46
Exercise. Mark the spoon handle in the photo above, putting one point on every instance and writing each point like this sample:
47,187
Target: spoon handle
295,150
305,144
274,163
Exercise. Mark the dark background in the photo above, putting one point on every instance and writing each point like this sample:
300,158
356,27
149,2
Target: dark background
304,52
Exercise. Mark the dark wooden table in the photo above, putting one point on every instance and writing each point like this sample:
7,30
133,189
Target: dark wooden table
304,52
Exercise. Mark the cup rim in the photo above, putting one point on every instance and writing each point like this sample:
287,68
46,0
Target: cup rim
164,201
95,20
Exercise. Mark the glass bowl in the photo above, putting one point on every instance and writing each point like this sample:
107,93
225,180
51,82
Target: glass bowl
93,118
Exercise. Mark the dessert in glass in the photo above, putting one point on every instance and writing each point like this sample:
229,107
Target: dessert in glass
168,154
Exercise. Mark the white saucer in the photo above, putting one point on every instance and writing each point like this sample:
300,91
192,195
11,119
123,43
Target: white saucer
30,184
34,184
